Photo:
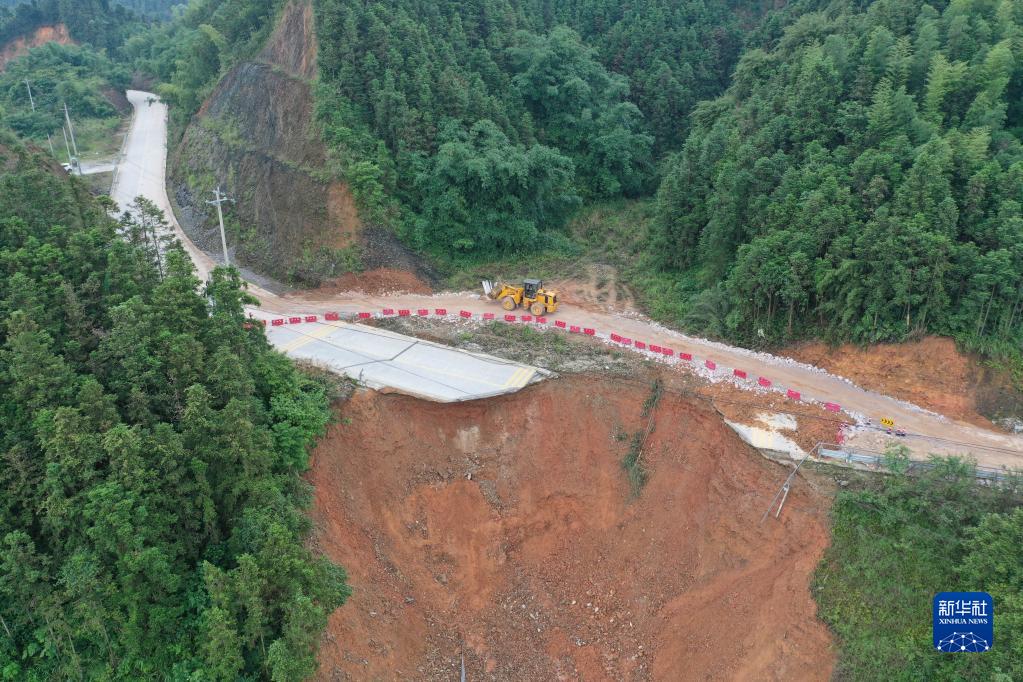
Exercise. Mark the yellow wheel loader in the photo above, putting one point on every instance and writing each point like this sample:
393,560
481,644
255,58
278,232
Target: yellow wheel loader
531,296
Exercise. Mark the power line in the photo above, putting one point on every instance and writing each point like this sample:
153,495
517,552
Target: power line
32,101
74,144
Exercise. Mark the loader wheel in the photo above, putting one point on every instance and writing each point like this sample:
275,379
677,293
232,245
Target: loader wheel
508,303
538,309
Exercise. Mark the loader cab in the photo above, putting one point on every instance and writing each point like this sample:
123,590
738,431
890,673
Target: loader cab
531,286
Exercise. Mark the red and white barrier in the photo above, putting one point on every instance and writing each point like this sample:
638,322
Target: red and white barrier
665,352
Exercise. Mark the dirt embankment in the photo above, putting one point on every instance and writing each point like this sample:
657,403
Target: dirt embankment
506,531
931,373
19,47
256,136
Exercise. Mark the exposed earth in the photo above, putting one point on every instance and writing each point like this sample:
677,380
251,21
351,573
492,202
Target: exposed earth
930,372
19,47
507,531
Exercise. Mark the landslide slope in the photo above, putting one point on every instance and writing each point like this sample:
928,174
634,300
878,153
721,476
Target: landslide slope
506,531
19,46
255,136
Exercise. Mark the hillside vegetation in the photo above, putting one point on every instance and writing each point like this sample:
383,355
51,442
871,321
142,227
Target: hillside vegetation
83,78
151,506
861,179
478,128
899,541
100,23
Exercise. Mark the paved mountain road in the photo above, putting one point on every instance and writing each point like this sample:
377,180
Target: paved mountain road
379,359
142,172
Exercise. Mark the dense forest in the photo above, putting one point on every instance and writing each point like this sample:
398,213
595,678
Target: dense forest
490,122
862,178
151,508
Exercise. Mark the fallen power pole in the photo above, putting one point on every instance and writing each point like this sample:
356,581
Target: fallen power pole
784,491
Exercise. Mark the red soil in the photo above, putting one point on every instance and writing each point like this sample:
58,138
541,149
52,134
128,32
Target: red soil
931,373
505,531
19,47
375,282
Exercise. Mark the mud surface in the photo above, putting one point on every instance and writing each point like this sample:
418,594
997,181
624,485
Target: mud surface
931,372
507,531
378,281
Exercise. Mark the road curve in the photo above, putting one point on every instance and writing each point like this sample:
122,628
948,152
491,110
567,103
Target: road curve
377,358
145,158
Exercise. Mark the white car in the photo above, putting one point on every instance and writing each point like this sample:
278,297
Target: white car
67,167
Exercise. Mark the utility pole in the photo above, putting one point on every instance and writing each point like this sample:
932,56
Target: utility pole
67,146
71,131
218,200
33,103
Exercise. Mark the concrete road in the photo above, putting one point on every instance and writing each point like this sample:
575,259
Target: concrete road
141,170
94,167
379,359
388,361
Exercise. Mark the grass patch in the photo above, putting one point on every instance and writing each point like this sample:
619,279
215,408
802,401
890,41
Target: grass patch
97,138
633,460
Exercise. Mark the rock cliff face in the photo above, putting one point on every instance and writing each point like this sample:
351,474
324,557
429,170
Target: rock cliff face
256,136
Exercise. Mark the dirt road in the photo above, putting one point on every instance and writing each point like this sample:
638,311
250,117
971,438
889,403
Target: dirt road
929,433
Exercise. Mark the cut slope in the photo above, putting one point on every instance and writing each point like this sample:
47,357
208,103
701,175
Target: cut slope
256,136
505,530
930,372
